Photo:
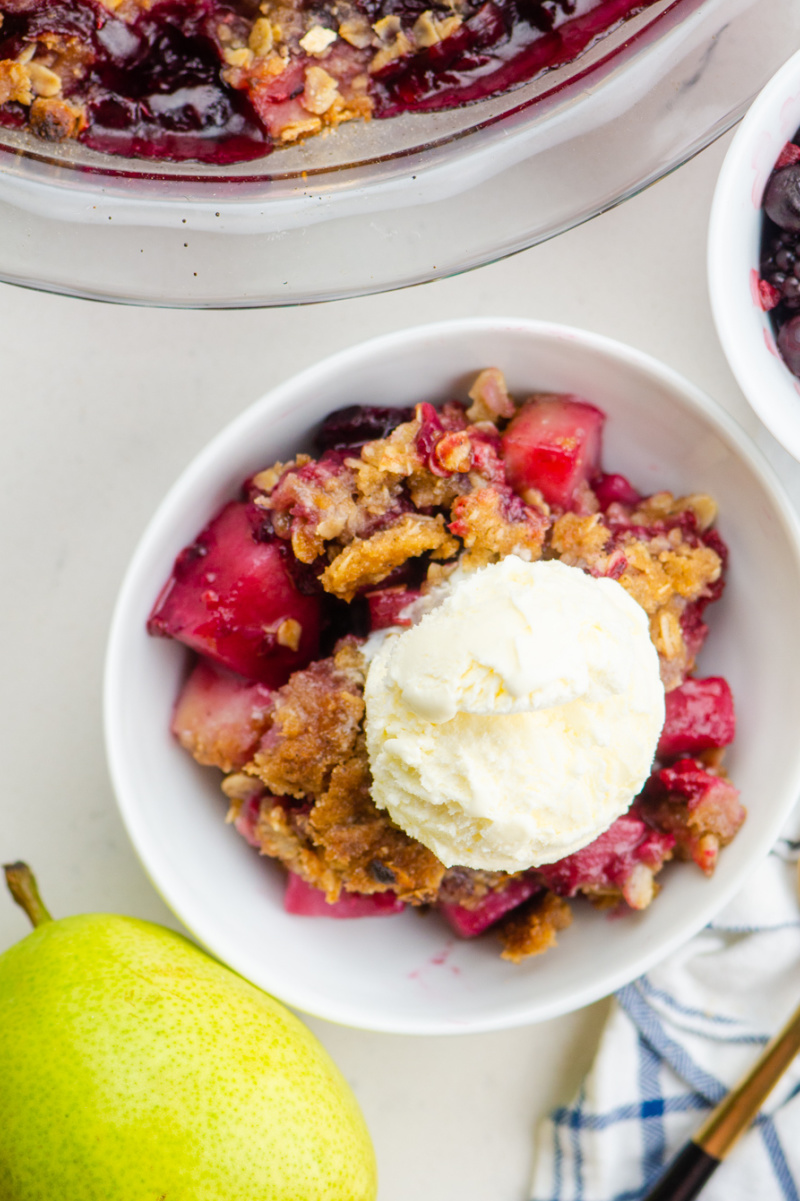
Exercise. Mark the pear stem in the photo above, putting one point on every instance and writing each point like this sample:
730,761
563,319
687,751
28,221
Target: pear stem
25,891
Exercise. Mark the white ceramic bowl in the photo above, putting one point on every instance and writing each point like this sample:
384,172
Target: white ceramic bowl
405,973
733,256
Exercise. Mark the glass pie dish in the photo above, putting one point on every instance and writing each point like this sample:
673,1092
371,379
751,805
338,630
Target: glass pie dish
524,165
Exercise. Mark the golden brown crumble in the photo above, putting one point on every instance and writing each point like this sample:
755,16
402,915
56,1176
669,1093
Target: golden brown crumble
278,43
269,477
532,927
428,30
489,397
663,572
315,750
383,465
663,580
260,40
56,119
429,491
338,517
454,451
367,561
281,839
489,534
580,540
316,721
44,82
356,30
656,573
348,845
394,43
320,92
361,843
238,788
662,505
318,40
15,82
328,510
289,633
35,79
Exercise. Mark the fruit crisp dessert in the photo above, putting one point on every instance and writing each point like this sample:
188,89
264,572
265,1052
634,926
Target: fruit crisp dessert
326,567
225,81
779,280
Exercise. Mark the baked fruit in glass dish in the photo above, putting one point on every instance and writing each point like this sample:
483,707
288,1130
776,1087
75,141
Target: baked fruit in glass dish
481,553
222,81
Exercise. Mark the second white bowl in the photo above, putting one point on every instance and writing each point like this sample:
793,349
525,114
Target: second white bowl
734,245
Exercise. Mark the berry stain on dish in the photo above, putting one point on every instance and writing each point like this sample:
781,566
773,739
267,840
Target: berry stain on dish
423,975
447,664
224,82
779,281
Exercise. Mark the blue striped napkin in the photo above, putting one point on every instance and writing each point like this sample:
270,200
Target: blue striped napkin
675,1042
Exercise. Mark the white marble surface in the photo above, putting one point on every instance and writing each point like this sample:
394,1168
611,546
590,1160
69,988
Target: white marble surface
102,406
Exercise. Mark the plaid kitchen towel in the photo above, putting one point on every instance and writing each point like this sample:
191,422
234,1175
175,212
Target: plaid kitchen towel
676,1041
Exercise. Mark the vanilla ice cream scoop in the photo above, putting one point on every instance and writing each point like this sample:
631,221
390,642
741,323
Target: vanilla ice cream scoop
518,719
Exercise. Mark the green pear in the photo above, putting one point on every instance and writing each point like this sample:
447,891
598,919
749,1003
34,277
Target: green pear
133,1067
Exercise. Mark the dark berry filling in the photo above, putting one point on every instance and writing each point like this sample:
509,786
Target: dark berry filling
157,86
779,283
346,429
152,88
503,44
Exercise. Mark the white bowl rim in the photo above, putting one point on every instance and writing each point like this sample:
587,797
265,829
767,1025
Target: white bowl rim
349,1014
745,353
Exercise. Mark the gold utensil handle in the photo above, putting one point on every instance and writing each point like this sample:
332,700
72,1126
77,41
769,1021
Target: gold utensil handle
735,1112
689,1171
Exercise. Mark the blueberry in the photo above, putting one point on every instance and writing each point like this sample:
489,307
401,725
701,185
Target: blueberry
791,288
358,424
789,345
782,198
381,872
